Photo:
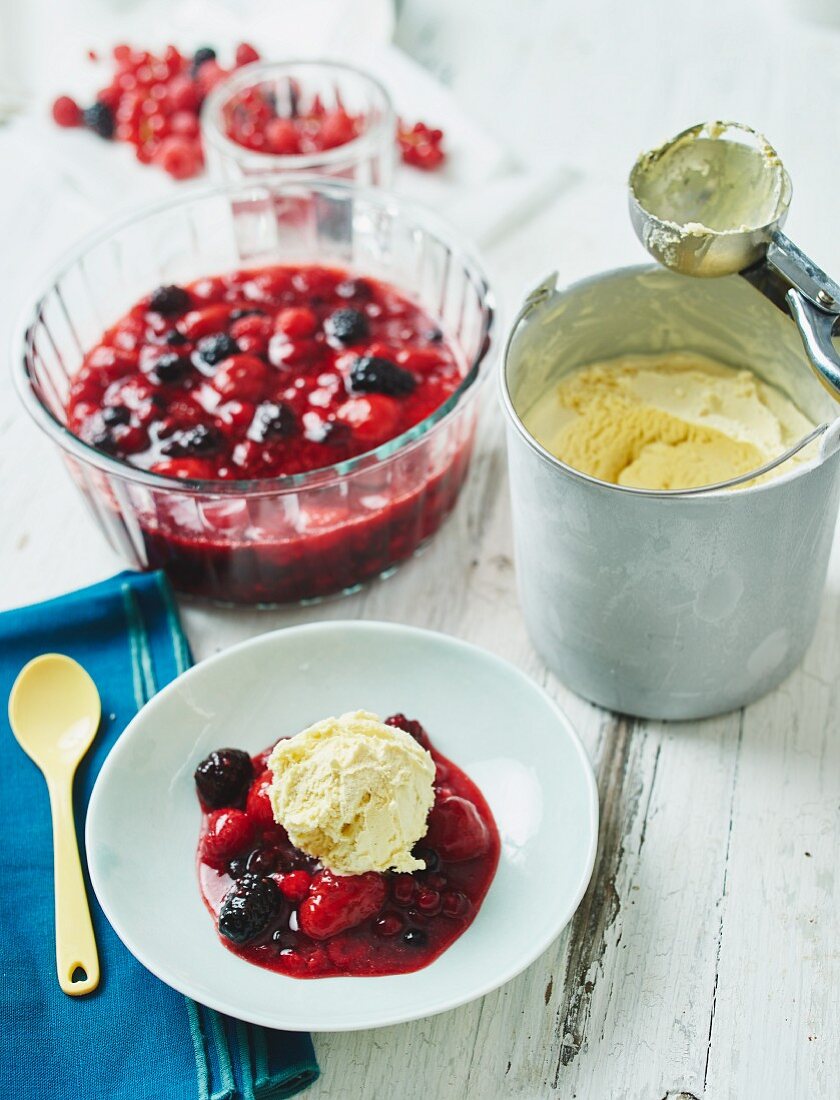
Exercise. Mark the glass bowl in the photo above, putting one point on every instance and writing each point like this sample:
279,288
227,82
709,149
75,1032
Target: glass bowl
285,539
367,159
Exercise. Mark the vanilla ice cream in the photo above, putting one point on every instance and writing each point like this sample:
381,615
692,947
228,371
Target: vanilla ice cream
674,421
353,792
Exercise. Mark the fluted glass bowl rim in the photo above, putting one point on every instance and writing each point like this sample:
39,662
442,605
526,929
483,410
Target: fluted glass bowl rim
398,207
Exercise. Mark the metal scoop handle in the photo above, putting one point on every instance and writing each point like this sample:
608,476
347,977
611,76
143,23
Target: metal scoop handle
794,283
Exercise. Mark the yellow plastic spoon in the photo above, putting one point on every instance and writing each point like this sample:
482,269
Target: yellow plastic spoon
54,712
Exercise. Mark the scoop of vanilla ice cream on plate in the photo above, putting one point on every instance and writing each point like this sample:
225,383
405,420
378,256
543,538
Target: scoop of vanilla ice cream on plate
354,793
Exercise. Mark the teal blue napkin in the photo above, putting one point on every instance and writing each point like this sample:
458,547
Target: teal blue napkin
134,1038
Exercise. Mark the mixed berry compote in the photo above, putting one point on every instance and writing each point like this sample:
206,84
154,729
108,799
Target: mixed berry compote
260,374
279,908
291,124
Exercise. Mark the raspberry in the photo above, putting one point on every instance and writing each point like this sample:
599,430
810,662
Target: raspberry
293,885
373,419
282,137
245,54
249,908
371,374
339,902
241,376
338,128
186,469
258,803
66,111
296,322
456,830
229,833
202,322
223,777
420,145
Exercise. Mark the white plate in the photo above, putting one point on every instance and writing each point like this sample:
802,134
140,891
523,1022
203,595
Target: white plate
495,723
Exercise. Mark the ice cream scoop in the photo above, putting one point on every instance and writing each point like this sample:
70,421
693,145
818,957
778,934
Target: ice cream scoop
711,202
354,793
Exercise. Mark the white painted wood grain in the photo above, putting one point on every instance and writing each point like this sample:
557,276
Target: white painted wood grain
705,960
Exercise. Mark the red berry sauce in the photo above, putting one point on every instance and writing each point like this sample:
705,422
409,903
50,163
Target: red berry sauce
313,924
261,373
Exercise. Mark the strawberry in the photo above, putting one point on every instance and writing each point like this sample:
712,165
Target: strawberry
229,832
339,902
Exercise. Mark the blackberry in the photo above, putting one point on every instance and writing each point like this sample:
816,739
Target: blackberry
105,442
249,908
347,326
169,299
223,778
100,119
415,937
273,421
170,368
174,338
116,414
200,440
205,53
370,374
213,349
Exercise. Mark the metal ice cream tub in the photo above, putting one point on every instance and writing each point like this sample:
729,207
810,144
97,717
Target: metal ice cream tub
673,604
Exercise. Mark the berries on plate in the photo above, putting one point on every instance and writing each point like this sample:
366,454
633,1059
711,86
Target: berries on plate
249,908
280,908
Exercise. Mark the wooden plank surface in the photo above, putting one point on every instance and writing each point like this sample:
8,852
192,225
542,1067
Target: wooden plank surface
703,961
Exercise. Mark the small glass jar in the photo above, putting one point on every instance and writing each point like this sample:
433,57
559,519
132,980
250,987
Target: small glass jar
291,87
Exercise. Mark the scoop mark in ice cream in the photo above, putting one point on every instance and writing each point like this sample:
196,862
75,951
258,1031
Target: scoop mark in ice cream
354,793
667,422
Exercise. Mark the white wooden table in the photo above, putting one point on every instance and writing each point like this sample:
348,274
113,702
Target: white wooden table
704,960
